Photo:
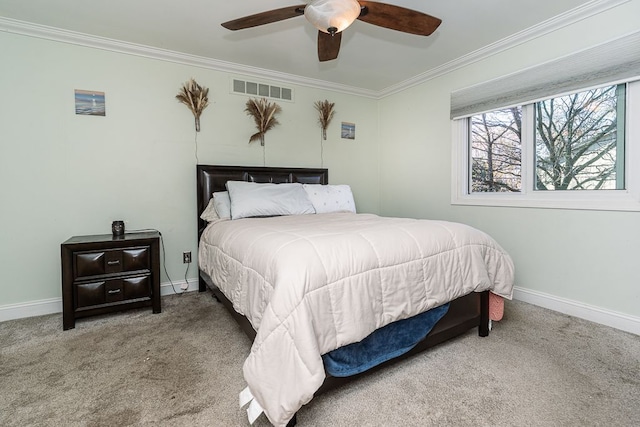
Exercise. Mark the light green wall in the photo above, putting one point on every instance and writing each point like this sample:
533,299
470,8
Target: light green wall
585,256
62,174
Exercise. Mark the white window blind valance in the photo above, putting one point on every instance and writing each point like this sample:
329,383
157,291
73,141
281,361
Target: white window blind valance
613,61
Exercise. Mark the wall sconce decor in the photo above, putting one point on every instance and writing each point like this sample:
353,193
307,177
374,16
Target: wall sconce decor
325,114
195,97
264,115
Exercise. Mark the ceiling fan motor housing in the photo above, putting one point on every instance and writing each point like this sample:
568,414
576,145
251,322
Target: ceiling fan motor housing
332,16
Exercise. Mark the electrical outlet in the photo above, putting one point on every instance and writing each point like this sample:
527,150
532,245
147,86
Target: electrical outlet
186,257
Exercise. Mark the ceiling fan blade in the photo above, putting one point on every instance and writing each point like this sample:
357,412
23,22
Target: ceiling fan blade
328,46
398,18
265,17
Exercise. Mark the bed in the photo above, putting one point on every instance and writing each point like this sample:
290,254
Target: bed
290,337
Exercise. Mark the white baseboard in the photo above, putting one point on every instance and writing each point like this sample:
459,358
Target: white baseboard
30,309
592,313
168,289
54,305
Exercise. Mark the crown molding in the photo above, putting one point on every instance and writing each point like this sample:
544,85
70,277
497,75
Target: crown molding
29,29
584,11
71,37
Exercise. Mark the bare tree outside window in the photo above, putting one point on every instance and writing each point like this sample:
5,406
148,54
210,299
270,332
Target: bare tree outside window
496,151
577,141
579,144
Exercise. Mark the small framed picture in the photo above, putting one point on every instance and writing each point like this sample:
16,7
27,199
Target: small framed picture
90,103
348,130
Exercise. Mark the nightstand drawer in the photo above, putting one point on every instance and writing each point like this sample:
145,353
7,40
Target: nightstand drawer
113,290
96,263
89,294
136,287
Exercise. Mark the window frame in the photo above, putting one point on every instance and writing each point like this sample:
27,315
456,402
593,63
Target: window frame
607,200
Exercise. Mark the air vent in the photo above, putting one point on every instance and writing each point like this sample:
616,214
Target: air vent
263,90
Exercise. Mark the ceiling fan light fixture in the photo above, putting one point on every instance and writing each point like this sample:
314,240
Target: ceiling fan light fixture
332,16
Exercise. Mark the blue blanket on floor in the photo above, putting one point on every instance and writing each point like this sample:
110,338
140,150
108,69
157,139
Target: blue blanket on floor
383,344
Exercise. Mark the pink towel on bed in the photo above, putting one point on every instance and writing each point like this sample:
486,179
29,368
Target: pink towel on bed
496,307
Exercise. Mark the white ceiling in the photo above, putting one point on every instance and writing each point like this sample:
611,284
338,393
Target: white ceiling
371,58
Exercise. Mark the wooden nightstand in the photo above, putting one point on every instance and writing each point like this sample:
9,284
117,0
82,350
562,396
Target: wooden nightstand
102,274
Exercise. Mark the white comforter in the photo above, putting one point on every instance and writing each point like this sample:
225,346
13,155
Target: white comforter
312,283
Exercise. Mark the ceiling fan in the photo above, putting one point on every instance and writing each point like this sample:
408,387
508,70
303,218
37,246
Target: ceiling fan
331,17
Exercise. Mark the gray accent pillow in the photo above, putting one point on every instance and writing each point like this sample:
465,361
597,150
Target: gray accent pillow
250,199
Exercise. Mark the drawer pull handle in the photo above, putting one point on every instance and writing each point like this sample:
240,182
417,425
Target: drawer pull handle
114,291
116,262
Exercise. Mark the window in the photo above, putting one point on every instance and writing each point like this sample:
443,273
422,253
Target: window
579,140
496,158
561,134
578,150
579,143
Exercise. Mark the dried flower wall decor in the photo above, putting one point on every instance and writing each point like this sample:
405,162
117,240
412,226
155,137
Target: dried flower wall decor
264,115
195,97
325,114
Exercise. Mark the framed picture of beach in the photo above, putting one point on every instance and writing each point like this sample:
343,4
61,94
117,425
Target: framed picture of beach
348,130
90,103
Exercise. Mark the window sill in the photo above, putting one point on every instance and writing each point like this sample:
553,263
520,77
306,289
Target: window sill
612,201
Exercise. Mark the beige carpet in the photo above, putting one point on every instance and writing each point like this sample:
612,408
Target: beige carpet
183,367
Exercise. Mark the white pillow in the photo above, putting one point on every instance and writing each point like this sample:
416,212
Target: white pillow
222,204
250,199
330,198
209,214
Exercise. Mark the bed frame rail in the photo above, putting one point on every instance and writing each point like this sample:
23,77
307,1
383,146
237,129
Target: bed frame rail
464,314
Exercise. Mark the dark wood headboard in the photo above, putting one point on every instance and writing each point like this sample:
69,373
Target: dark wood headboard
212,178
